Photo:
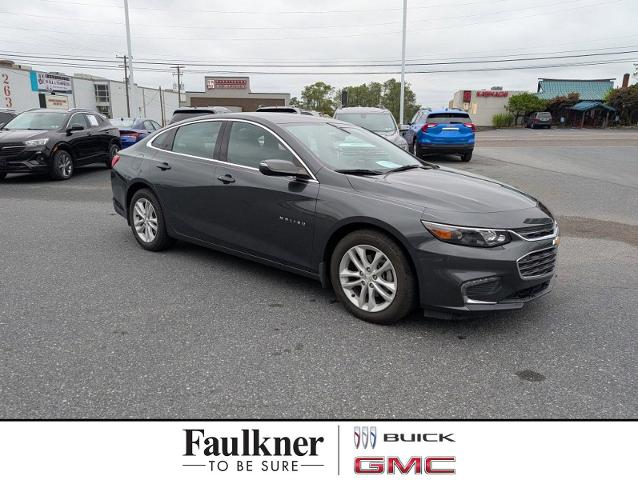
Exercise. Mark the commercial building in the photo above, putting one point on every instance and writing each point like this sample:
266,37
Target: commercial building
592,90
24,88
482,105
235,94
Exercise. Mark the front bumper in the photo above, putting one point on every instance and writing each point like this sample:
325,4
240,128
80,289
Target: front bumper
465,280
27,160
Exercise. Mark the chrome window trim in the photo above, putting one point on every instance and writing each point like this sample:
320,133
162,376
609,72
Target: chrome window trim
312,178
531,277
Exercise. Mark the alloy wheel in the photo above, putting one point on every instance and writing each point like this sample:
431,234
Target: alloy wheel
368,278
145,220
113,151
64,164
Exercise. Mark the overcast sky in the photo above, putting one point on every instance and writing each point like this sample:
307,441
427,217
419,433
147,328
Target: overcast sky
331,31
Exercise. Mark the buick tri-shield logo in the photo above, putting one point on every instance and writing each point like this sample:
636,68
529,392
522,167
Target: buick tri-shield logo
364,436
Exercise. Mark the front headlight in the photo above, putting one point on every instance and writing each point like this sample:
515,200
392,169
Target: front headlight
38,142
471,237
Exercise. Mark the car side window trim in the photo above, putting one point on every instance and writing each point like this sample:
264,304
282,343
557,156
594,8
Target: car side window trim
81,114
223,135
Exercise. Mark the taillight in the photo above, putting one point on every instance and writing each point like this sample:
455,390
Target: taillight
470,125
114,160
425,127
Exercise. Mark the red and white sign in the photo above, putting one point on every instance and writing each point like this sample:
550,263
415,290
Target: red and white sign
492,93
237,83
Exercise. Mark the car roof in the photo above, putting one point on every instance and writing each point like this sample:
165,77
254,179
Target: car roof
362,110
277,118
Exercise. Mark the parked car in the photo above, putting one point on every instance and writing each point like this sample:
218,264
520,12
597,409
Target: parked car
188,112
334,202
133,130
284,109
6,114
377,120
56,142
539,119
441,131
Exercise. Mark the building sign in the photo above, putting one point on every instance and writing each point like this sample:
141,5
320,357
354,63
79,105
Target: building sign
60,102
492,93
231,83
51,82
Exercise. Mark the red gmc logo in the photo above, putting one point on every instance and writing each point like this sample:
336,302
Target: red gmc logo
392,465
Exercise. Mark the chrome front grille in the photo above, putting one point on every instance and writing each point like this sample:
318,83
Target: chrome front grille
536,232
535,264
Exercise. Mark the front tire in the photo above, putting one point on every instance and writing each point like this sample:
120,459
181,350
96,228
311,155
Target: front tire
146,219
372,277
62,165
466,157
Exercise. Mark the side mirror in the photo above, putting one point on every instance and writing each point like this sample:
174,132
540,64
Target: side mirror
404,127
282,168
74,128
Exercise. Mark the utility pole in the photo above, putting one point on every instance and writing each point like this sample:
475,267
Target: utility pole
179,69
162,106
402,100
131,82
126,83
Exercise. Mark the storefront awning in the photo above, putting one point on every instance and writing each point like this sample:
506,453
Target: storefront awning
587,105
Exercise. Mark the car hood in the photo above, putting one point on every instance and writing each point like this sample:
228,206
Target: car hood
394,137
445,190
20,135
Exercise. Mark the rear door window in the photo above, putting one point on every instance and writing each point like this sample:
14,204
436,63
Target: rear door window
197,139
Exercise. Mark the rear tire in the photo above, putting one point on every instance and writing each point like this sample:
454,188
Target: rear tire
466,157
383,298
113,149
62,165
146,219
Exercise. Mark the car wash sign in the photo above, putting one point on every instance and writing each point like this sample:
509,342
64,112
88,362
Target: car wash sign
51,82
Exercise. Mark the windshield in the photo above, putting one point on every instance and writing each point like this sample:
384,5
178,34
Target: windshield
123,122
351,148
37,121
377,122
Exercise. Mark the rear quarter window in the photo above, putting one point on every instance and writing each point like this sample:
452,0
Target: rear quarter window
164,140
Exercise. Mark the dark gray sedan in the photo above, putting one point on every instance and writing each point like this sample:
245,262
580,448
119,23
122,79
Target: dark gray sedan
335,202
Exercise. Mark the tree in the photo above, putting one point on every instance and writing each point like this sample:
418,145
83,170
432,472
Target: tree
317,96
625,101
558,106
385,95
524,103
391,99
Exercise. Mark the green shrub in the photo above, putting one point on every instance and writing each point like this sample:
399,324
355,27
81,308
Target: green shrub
502,120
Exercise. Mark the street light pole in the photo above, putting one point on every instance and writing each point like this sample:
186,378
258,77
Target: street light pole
402,100
131,81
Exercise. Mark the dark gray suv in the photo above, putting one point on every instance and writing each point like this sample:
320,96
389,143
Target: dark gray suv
335,202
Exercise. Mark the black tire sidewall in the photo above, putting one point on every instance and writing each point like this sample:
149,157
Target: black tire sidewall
109,160
404,301
161,240
466,157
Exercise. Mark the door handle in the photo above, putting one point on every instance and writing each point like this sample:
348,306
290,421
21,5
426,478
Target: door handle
228,178
163,166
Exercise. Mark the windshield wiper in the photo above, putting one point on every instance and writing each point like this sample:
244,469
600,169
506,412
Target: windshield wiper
360,171
404,167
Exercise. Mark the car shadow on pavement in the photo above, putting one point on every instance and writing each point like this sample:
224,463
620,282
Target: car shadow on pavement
442,159
415,323
40,178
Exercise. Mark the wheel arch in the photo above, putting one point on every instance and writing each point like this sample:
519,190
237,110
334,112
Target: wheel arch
135,186
64,146
343,229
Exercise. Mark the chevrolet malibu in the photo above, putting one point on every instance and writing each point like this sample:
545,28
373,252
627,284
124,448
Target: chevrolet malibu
337,203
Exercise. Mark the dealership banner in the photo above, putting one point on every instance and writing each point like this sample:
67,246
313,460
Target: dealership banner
317,450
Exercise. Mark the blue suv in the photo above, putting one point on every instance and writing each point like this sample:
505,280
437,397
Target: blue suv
441,131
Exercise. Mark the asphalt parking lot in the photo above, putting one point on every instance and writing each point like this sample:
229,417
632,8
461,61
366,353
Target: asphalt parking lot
91,325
